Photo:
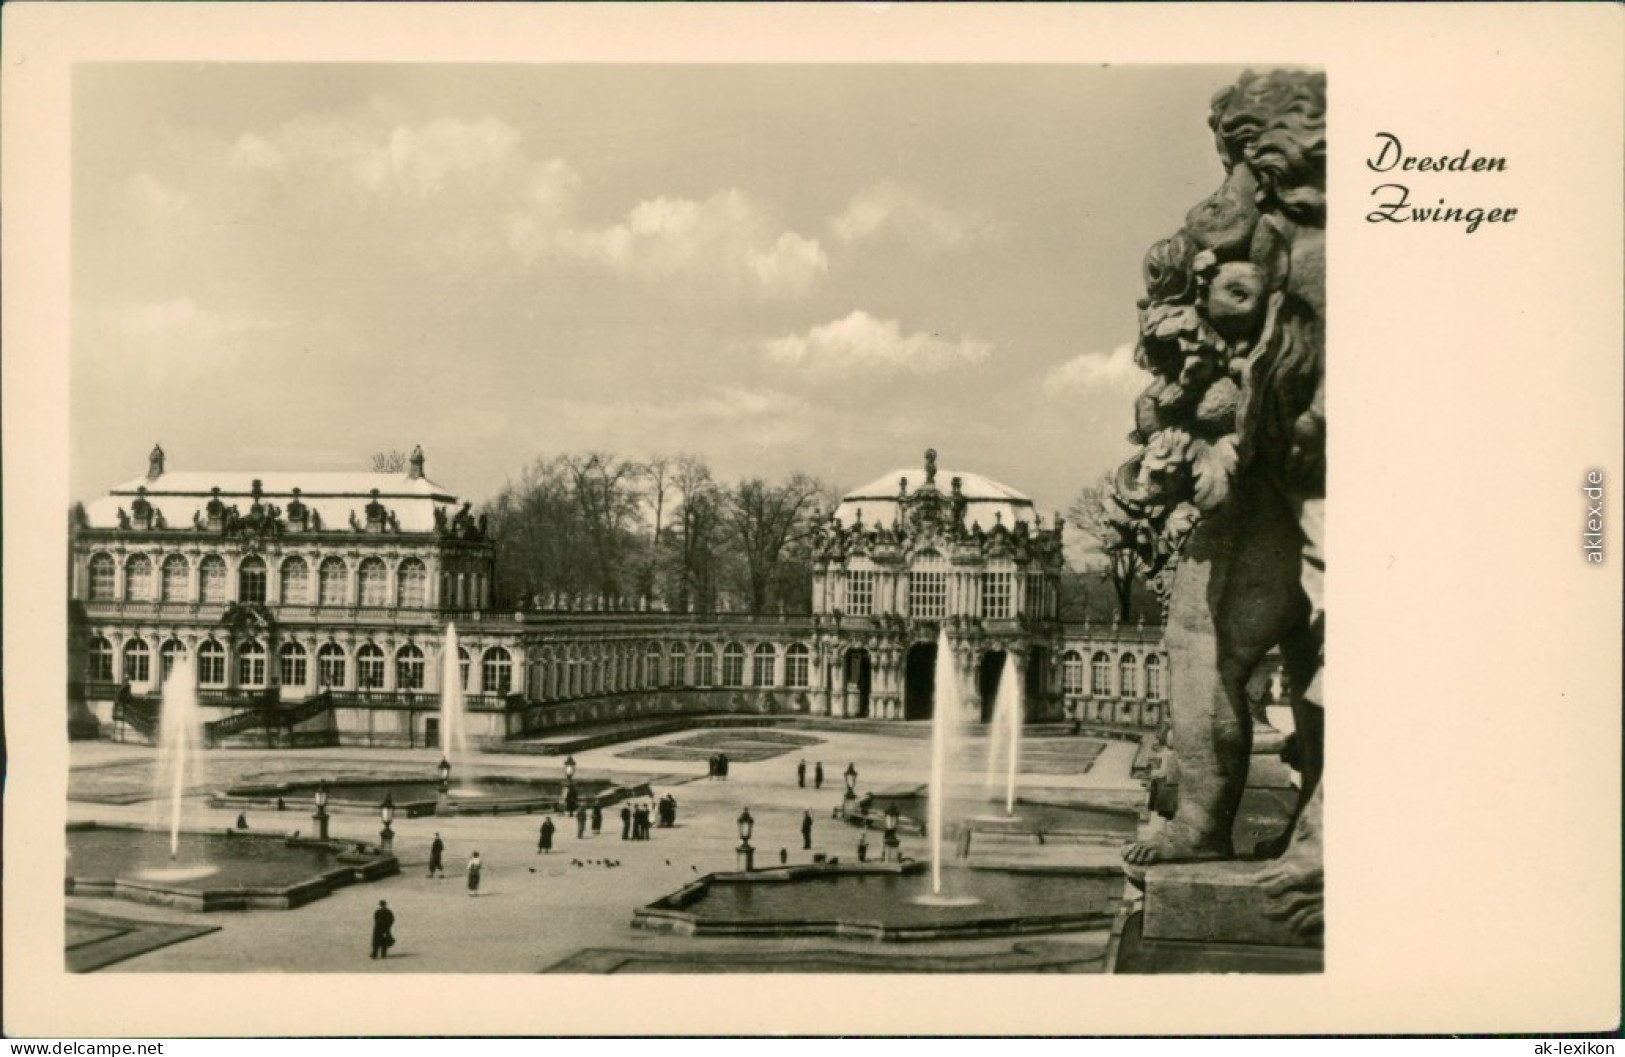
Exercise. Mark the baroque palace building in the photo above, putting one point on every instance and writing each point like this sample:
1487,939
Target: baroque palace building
315,607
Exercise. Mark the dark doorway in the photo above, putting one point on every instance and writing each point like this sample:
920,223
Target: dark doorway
431,733
919,686
855,680
987,681
1037,672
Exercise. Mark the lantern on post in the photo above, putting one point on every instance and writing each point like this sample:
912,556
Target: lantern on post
321,810
386,836
745,853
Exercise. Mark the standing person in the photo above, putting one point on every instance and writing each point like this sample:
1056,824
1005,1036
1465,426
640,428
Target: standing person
437,857
597,819
570,800
626,822
475,867
722,766
863,846
818,775
806,830
581,822
544,845
383,921
242,820
801,774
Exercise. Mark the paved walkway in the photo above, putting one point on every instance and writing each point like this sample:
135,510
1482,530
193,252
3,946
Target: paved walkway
535,912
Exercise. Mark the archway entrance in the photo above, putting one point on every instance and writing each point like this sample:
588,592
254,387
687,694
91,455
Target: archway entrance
1037,669
919,681
855,682
987,681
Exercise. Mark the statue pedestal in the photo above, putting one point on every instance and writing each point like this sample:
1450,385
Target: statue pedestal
1213,902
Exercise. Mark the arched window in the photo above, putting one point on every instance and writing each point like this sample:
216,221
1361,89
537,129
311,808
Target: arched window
1153,677
251,579
497,671
928,587
797,665
1100,675
1072,672
705,661
373,579
462,666
369,667
291,664
211,574
330,665
1128,682
170,652
677,666
409,668
651,666
332,582
295,582
733,665
211,664
137,661
251,664
101,577
174,579
763,662
99,666
412,584
138,578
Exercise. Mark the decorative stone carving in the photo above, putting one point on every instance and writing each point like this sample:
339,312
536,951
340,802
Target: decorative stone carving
1224,501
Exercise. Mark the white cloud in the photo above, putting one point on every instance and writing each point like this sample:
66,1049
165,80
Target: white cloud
173,339
153,199
889,209
727,237
862,343
1097,370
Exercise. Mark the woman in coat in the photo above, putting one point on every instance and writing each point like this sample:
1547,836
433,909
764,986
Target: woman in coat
474,868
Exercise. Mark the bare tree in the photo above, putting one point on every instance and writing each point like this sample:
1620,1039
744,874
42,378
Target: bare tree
692,548
1121,565
392,461
766,520
608,506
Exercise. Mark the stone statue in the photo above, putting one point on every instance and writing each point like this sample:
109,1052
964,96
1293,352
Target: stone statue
1224,501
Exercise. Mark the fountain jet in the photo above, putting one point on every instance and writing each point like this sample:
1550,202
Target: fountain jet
945,716
180,740
453,710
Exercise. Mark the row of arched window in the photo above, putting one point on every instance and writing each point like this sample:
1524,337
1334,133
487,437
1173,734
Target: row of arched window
1128,668
172,581
332,665
576,673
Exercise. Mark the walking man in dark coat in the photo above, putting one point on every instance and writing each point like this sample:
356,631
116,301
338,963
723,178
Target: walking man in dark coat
597,819
437,857
383,921
818,775
581,822
544,845
626,822
806,831
801,775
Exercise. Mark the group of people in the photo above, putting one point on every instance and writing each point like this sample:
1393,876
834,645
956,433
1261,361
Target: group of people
638,819
718,765
818,774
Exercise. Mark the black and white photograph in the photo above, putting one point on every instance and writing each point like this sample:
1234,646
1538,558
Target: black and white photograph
800,521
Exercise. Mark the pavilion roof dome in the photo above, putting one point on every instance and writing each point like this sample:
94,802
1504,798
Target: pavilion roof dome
986,501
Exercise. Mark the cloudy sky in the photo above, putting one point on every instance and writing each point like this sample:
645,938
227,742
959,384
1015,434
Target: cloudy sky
825,268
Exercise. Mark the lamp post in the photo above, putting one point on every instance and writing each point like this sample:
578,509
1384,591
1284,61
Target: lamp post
746,854
569,785
851,784
889,851
444,793
386,836
321,810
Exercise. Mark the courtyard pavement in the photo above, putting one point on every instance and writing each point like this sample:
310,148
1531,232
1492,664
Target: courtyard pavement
570,910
